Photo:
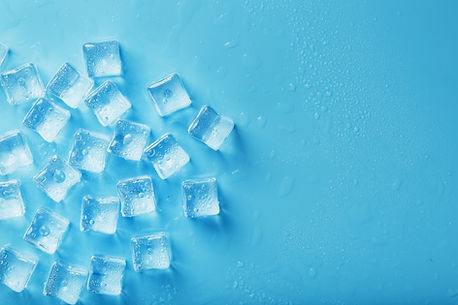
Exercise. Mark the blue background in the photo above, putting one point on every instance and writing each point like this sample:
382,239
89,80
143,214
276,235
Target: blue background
338,185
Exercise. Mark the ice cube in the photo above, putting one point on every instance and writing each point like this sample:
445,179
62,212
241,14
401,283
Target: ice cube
106,275
151,252
200,197
11,204
65,282
129,140
14,152
99,214
137,196
169,95
108,103
103,58
57,178
47,119
167,156
22,84
3,53
89,151
15,268
46,230
211,128
70,86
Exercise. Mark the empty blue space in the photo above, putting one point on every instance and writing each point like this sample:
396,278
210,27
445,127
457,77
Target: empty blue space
338,184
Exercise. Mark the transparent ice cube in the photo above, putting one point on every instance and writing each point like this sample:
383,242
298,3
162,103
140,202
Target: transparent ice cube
47,119
151,252
14,152
11,204
22,84
65,282
99,214
89,151
70,86
129,140
3,53
108,103
137,196
16,268
57,178
169,95
103,58
167,156
106,275
211,128
46,230
200,197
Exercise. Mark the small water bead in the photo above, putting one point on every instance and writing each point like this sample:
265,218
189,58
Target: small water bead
127,139
59,176
44,231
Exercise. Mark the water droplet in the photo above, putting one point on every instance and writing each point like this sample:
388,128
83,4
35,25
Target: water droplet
59,176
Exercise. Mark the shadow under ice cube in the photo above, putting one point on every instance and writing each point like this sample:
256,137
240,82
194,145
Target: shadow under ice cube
65,282
15,268
151,252
106,275
22,84
46,230
11,204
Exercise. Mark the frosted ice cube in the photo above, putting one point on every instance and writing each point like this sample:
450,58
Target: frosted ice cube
151,252
11,204
200,197
46,230
108,103
129,140
47,119
103,58
14,152
3,53
70,86
137,196
22,84
167,156
106,275
57,178
89,151
65,282
211,128
16,268
99,214
169,95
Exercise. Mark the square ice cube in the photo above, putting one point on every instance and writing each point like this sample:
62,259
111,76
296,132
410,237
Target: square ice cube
106,275
169,95
14,152
108,103
70,86
137,196
57,178
129,140
65,282
47,119
151,252
200,197
99,214
46,230
167,156
22,84
11,204
211,128
89,151
103,58
16,268
3,53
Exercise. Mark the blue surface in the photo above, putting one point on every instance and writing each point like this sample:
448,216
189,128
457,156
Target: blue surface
338,185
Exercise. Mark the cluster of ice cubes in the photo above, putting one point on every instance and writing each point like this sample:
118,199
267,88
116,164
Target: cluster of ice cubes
50,112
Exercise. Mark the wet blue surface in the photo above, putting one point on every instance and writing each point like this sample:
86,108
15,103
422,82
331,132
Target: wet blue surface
338,185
